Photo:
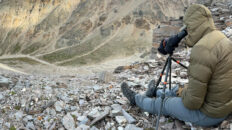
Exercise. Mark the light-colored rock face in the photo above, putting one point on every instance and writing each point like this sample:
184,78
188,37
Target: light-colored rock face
77,32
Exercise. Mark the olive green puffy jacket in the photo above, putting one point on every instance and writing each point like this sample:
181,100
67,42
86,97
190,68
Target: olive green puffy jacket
210,69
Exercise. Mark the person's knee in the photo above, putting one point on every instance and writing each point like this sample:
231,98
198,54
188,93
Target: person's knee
145,103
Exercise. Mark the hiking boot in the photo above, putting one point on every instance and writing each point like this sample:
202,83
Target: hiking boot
128,93
151,92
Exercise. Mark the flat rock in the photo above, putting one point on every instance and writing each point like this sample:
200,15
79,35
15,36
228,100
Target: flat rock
59,106
128,117
132,127
97,88
94,113
120,119
183,74
83,119
1,96
106,77
116,112
94,128
168,126
30,125
123,102
228,22
81,102
228,32
68,122
4,82
101,116
116,107
18,115
82,127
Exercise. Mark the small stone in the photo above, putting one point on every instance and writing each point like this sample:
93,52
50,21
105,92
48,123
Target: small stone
101,116
228,22
94,113
214,9
123,102
183,74
75,113
116,107
146,68
105,77
53,126
120,119
52,112
1,97
162,119
120,128
222,19
48,88
94,128
228,31
146,113
73,108
132,127
4,82
224,124
168,126
97,88
82,96
7,124
68,122
225,10
59,106
128,117
81,102
30,125
61,128
131,84
83,127
116,112
28,118
82,119
18,115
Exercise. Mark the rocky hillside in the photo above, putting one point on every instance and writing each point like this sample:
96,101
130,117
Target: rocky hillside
77,32
88,102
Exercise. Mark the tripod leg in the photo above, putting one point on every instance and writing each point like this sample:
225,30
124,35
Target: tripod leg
170,75
163,95
162,72
178,62
159,80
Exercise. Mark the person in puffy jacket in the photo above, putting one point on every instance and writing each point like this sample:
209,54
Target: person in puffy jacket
207,99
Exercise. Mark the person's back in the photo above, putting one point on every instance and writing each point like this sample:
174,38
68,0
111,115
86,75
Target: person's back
210,70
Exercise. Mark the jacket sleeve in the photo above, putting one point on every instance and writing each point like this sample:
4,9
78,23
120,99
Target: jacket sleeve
202,63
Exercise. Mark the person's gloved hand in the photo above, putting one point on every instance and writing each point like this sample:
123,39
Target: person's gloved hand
167,46
171,44
179,91
161,47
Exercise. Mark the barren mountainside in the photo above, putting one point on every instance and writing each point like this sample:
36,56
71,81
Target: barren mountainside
62,62
77,32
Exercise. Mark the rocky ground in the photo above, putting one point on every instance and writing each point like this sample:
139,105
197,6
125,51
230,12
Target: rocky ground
91,102
95,101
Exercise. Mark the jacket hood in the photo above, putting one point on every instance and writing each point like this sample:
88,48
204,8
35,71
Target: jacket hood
199,22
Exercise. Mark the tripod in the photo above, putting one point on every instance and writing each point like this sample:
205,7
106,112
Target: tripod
168,68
